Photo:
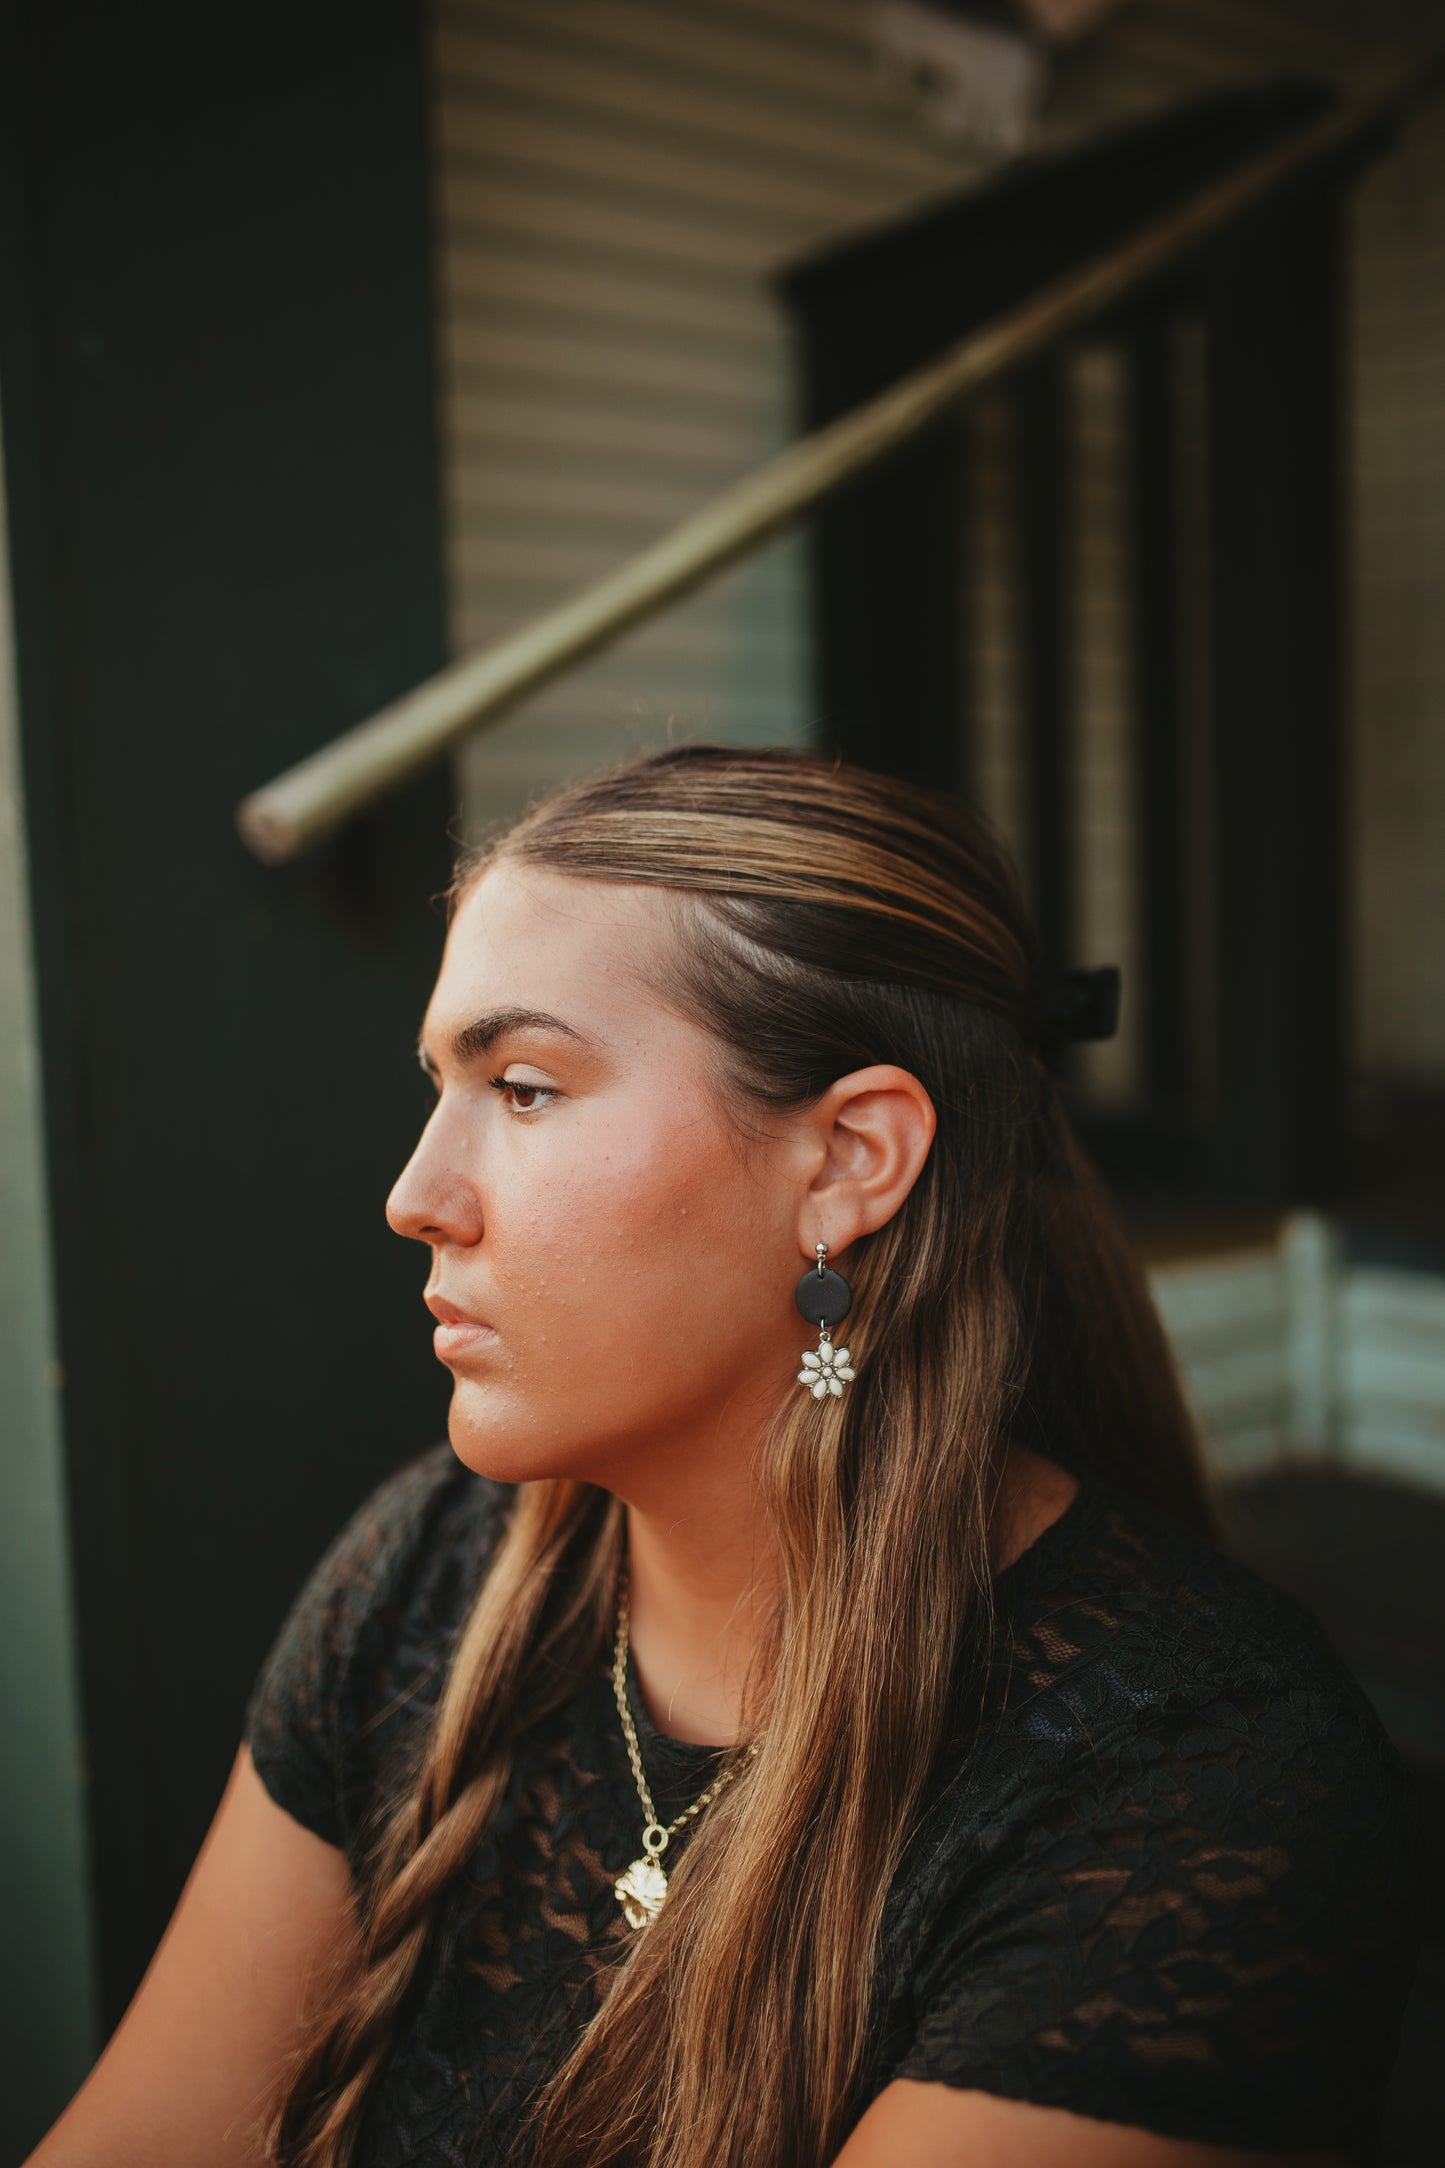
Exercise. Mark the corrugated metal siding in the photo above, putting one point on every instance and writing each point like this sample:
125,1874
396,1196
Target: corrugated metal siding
616,184
617,179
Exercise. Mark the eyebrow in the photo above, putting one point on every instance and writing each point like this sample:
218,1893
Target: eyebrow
473,1040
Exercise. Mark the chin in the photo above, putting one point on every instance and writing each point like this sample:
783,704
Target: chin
506,1454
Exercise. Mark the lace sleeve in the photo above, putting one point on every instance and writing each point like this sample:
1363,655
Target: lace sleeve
1208,1932
314,1694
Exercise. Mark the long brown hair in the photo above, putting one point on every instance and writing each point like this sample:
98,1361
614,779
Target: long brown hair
826,918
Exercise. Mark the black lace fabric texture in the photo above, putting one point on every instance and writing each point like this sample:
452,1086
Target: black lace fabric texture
1170,1884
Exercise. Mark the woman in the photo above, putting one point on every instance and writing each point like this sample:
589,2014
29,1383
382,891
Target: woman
886,1770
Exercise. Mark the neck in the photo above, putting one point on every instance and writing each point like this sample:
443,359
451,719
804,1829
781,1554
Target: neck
703,1586
1032,1495
704,1580
701,1563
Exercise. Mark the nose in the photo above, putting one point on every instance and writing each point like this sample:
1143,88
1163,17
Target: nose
432,1201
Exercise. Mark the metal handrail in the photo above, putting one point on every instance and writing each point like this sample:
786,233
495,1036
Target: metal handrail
287,815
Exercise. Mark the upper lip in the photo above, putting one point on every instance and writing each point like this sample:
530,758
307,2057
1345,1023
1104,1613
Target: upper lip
447,1313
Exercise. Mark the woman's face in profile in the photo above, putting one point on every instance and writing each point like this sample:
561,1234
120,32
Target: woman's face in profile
620,1270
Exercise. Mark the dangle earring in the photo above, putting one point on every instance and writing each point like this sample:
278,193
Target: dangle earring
825,1298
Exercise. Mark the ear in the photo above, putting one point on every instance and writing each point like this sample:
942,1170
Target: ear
868,1137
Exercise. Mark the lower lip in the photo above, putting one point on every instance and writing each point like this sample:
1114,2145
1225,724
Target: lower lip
450,1341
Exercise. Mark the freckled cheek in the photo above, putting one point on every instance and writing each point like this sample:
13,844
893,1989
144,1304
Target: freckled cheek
626,1249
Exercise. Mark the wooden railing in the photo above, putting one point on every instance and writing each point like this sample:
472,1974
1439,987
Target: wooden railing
287,815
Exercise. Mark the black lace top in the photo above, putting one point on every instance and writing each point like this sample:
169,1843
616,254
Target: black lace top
1171,1884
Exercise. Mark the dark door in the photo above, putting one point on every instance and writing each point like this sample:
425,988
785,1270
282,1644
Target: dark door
218,400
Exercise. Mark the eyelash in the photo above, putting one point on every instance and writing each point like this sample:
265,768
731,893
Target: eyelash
513,1084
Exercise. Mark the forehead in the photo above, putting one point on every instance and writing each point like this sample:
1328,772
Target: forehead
543,940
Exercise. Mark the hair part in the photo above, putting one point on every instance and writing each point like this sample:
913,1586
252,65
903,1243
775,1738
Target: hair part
825,918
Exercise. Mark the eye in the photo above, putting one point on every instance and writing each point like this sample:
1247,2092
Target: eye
535,1096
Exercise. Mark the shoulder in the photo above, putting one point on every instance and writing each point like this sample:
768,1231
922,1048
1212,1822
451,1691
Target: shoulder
1206,1711
362,1649
1171,1881
1136,1623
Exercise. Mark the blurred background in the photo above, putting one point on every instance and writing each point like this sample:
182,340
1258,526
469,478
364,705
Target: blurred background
337,342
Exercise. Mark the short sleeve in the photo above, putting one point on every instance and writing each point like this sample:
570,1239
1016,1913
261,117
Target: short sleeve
1207,1933
363,1609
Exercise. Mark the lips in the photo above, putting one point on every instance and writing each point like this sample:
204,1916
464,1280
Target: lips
447,1313
457,1333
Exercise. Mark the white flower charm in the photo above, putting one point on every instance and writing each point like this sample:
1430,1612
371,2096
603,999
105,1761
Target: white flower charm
824,1372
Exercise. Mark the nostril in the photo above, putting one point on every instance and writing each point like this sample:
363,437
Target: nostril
461,1220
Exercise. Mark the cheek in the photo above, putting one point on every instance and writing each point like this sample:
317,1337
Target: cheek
639,1230
636,1281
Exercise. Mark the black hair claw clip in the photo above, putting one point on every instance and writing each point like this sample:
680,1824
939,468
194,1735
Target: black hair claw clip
1082,1004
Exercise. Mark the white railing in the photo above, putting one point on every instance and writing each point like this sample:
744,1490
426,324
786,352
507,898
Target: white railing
1293,1356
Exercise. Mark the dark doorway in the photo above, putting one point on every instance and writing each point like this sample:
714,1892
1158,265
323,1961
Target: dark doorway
217,384
1104,601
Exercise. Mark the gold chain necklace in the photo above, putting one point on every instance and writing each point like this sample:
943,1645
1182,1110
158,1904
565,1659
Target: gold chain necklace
641,1891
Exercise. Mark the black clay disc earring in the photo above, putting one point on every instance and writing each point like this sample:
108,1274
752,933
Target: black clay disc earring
825,1298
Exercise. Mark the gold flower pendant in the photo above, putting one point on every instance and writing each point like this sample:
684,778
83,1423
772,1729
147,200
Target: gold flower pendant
641,1891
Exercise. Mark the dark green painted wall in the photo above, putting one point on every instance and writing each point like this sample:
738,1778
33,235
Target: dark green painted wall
216,369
